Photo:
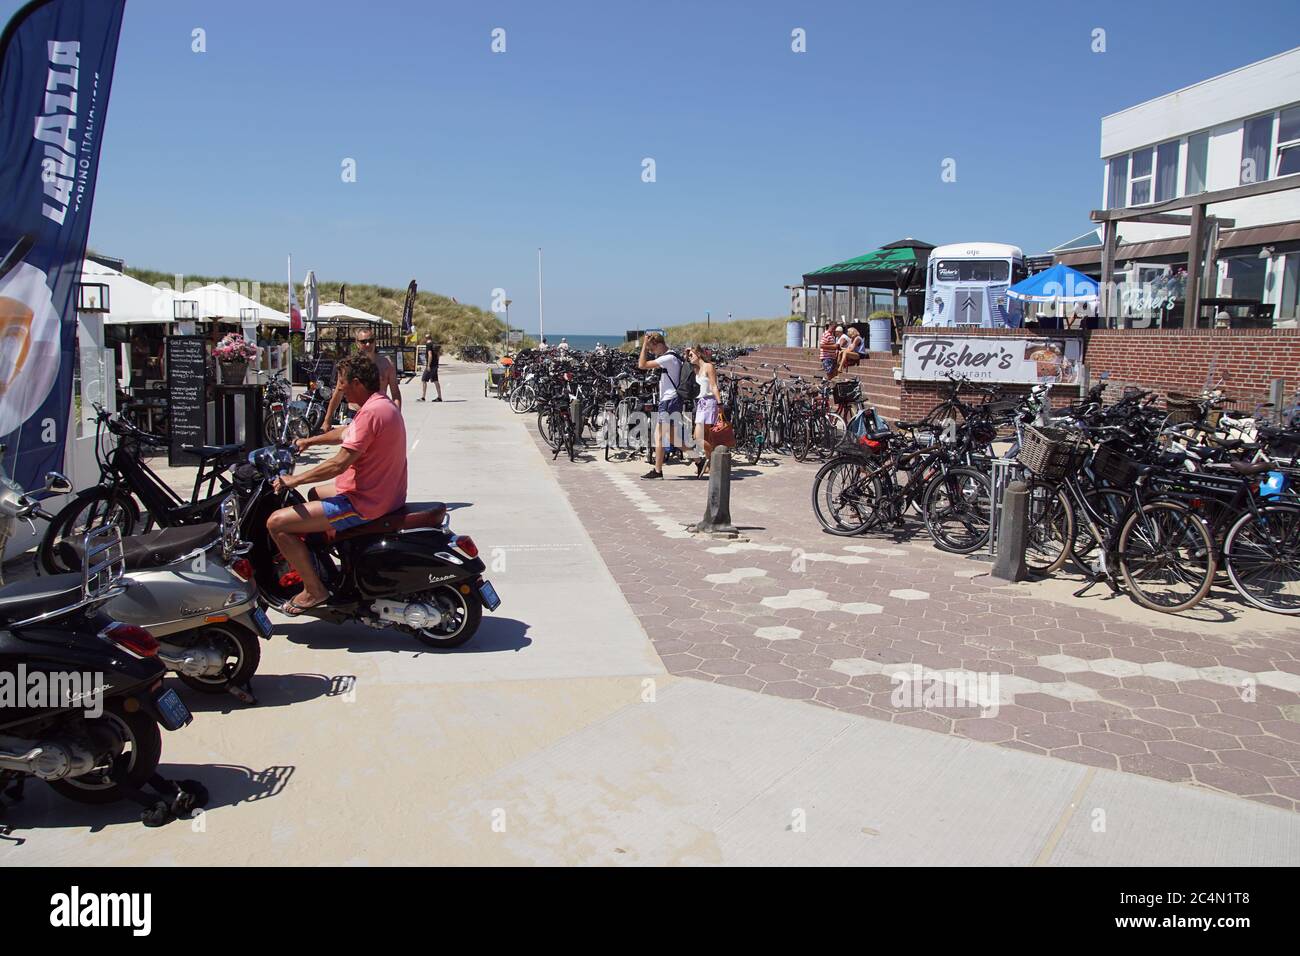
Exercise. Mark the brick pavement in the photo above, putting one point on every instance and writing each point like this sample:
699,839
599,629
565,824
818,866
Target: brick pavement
798,613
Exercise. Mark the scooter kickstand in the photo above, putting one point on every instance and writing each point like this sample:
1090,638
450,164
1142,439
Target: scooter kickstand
242,694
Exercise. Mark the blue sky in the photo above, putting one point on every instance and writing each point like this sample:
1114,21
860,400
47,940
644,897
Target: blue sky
769,163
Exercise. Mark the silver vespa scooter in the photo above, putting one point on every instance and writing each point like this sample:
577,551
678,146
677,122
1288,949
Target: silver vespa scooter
191,588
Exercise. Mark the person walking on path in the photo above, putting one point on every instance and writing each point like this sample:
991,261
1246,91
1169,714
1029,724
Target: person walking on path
432,354
365,339
706,405
655,355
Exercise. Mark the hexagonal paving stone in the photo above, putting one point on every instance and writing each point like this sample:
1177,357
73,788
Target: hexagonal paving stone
1115,667
735,576
911,594
779,633
860,607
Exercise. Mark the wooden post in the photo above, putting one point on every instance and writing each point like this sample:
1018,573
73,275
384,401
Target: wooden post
1195,239
1108,237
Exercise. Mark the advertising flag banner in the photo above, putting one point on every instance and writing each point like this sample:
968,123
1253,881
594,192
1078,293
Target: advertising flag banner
408,310
56,69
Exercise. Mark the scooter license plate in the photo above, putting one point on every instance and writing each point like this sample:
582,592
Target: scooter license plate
489,595
262,621
172,710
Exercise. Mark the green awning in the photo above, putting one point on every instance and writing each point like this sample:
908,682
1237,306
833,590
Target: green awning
880,268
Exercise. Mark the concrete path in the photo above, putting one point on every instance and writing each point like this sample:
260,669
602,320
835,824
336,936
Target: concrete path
558,737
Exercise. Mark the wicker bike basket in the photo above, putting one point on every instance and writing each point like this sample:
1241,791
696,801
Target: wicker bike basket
847,390
1052,453
1182,408
1114,467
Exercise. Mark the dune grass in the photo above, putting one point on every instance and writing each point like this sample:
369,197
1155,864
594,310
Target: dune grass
735,332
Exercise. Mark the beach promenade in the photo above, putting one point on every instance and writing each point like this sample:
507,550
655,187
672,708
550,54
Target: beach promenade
643,696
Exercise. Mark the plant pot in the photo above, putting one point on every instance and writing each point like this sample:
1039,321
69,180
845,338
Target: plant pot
233,373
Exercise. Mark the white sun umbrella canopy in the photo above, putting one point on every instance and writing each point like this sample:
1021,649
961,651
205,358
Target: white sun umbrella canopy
219,303
330,311
130,301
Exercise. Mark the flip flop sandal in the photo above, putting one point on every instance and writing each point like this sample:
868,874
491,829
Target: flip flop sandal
292,608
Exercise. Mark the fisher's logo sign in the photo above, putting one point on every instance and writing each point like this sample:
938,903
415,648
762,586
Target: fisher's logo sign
1020,359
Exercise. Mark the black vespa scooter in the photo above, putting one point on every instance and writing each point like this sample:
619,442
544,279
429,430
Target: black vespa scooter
81,695
406,570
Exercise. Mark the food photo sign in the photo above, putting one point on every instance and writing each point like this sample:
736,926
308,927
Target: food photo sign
1012,360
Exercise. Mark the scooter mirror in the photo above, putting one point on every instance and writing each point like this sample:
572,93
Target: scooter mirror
57,483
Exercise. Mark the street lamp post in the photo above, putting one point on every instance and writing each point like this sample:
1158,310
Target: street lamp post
508,325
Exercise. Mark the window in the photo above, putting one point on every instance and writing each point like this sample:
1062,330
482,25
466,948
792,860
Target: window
1166,171
1141,172
1198,154
1256,147
973,270
1117,182
1245,279
1288,142
1289,302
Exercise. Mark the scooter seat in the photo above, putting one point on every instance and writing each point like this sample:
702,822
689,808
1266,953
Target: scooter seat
25,599
219,454
412,515
154,550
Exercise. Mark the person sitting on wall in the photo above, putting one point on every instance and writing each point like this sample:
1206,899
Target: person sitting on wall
852,354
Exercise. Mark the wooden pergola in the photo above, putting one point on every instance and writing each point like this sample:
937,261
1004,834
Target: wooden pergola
1197,221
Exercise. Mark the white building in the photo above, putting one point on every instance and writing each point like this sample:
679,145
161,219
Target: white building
1238,128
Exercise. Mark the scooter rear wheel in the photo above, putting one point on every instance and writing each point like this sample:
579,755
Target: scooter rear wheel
461,613
243,654
141,749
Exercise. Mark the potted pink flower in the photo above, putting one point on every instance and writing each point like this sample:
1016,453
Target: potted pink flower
233,353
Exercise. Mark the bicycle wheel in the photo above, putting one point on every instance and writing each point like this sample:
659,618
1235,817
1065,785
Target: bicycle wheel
1107,507
1166,556
846,497
1262,556
956,510
1051,528
93,508
523,400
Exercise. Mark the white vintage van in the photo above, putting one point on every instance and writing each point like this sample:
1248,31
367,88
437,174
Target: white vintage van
966,284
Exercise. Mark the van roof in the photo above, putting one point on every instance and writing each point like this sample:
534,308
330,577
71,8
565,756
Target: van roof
976,250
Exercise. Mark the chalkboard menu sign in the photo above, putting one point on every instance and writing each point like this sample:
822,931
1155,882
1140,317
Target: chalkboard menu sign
187,373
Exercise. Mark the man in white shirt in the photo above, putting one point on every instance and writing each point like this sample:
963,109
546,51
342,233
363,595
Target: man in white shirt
655,355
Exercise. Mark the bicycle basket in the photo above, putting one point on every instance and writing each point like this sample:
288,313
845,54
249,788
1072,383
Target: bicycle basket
1182,408
847,390
1052,453
1114,467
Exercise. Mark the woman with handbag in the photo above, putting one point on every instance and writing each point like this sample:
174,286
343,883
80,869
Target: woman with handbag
710,429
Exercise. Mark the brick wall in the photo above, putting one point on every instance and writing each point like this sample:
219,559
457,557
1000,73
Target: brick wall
1181,360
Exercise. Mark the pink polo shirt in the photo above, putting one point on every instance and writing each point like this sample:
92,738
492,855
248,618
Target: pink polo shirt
376,482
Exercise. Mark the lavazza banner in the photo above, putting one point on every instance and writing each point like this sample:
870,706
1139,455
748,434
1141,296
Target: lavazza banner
56,67
1010,360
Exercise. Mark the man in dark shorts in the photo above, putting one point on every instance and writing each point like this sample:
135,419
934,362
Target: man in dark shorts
432,354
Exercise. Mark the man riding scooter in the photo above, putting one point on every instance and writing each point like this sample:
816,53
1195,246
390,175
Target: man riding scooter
364,481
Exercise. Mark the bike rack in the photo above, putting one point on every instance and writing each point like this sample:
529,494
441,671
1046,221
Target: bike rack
1005,470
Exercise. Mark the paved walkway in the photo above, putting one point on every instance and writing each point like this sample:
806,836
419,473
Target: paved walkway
1210,698
559,735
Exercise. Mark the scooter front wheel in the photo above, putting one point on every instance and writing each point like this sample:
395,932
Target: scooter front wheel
461,615
91,509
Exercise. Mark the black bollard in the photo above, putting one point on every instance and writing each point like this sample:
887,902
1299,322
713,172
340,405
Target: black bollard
717,511
1013,533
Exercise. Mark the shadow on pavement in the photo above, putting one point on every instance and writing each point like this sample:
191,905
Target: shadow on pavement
494,634
271,690
227,785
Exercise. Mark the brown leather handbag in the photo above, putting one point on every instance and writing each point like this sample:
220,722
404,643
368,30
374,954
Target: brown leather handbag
721,433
